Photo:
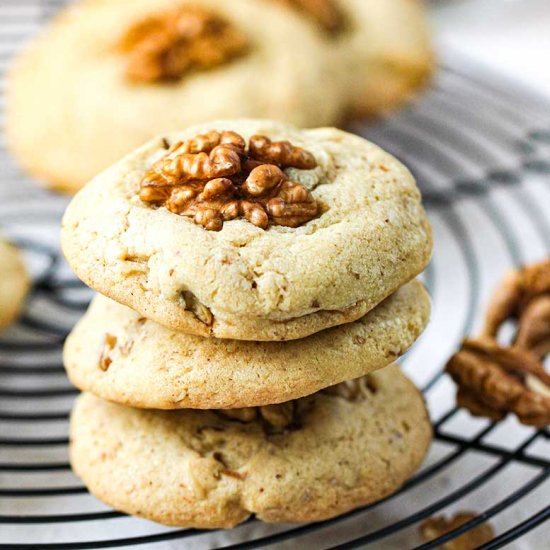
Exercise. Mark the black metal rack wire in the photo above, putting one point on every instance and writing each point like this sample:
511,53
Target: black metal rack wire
480,152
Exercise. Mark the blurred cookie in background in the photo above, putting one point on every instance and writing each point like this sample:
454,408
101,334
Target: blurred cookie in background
387,52
383,45
105,77
14,283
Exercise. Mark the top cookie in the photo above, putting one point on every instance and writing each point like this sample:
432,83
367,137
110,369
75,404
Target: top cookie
368,236
14,283
114,74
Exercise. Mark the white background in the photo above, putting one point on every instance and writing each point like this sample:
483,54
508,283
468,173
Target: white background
511,36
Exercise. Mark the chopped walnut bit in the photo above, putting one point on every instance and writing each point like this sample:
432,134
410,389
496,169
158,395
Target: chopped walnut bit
438,526
166,46
326,13
235,475
246,414
212,178
105,358
278,417
199,310
283,416
353,390
494,380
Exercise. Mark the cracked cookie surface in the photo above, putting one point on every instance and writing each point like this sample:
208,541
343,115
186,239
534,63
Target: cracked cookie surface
95,114
243,282
201,469
14,283
120,356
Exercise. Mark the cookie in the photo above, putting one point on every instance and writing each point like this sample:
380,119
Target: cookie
115,74
368,236
118,355
14,283
387,51
297,462
384,46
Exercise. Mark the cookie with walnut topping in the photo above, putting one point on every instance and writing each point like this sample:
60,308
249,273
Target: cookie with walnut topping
387,51
118,355
383,45
241,279
105,77
14,283
297,462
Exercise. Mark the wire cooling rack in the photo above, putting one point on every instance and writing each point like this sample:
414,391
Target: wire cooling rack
479,149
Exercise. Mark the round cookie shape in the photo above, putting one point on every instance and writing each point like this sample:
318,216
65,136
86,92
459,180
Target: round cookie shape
244,282
95,114
384,46
387,52
201,469
14,283
122,357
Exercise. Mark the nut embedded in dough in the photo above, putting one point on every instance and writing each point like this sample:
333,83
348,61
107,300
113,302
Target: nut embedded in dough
361,207
201,469
154,367
165,46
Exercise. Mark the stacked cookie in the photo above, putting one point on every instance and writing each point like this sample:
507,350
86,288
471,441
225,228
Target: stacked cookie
256,281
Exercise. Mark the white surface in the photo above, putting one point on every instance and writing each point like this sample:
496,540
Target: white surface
511,36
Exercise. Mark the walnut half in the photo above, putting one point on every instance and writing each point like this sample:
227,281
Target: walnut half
166,46
493,379
214,178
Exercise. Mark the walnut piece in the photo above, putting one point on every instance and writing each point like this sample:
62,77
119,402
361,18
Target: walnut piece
166,46
353,390
284,416
105,358
438,526
278,417
326,13
246,414
494,380
213,178
199,310
515,293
